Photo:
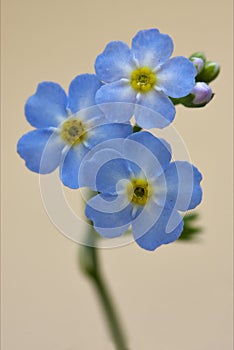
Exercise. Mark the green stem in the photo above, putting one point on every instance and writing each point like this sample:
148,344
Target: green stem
90,265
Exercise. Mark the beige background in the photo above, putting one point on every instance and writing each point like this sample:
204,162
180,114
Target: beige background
180,296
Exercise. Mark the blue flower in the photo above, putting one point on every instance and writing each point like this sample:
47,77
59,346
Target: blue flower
67,127
143,76
138,185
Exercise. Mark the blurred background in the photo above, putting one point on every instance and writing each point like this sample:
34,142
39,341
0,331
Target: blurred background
178,297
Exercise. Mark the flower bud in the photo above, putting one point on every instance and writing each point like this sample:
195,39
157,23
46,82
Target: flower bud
202,94
209,72
198,63
198,54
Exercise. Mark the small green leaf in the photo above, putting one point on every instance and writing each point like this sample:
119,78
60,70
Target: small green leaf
190,230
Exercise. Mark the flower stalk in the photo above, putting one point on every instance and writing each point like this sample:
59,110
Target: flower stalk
90,266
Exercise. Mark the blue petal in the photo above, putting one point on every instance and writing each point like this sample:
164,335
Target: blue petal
117,101
41,149
107,131
151,48
176,77
155,110
150,153
69,170
111,174
111,215
100,154
82,92
156,227
180,185
90,165
115,62
47,107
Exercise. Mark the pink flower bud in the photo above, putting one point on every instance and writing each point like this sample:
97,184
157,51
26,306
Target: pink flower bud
202,93
198,63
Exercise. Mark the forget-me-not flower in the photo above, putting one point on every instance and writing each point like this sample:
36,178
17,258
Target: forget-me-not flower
143,75
138,185
67,127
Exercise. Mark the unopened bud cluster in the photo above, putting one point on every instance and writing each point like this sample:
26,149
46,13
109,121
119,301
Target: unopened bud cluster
202,93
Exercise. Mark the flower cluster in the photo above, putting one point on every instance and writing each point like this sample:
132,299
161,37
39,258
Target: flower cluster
88,133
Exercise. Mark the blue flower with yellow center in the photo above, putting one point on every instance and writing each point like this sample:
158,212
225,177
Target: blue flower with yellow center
67,127
143,76
138,185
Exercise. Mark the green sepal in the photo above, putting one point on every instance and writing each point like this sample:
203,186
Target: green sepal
175,101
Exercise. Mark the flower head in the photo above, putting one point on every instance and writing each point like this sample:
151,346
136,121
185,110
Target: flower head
138,185
67,127
143,76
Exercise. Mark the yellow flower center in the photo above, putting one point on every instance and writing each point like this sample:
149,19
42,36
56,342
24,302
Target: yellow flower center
73,131
143,79
139,191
